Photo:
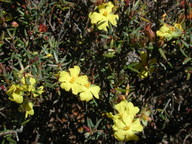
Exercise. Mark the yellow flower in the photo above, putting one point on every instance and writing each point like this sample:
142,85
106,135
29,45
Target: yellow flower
104,16
145,67
88,91
48,55
38,92
125,128
28,83
27,108
71,80
178,26
125,125
126,107
15,93
169,32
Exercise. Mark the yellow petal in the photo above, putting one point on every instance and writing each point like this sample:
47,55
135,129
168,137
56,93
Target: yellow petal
126,107
15,93
64,76
179,26
16,98
76,88
162,34
125,135
131,136
23,80
165,28
107,6
95,90
66,86
96,17
82,80
103,25
31,88
32,81
113,19
127,119
143,74
120,135
136,126
28,108
110,115
38,92
118,124
86,96
74,72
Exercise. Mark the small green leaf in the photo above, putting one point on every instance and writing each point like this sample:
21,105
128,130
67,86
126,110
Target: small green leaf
109,54
131,67
104,36
12,141
144,19
162,53
111,43
186,44
90,123
186,60
97,124
183,52
188,76
26,121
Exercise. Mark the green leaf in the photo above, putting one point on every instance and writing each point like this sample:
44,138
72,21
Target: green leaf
6,1
90,123
170,64
144,19
12,141
183,52
186,44
26,121
97,124
109,54
105,36
188,76
162,53
131,67
111,44
22,13
186,60
3,142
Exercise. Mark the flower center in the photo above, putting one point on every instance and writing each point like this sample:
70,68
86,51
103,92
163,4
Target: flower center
126,128
172,29
87,85
105,13
72,80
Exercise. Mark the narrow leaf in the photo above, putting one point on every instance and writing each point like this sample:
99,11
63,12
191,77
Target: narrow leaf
162,54
186,60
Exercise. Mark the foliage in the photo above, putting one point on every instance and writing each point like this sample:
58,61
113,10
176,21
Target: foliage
129,51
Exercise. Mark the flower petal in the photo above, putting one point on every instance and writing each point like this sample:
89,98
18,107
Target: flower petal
86,96
74,72
76,88
113,19
136,126
82,80
66,86
96,17
16,97
95,90
64,76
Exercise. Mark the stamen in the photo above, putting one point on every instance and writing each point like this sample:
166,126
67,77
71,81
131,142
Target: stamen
72,80
87,85
105,13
